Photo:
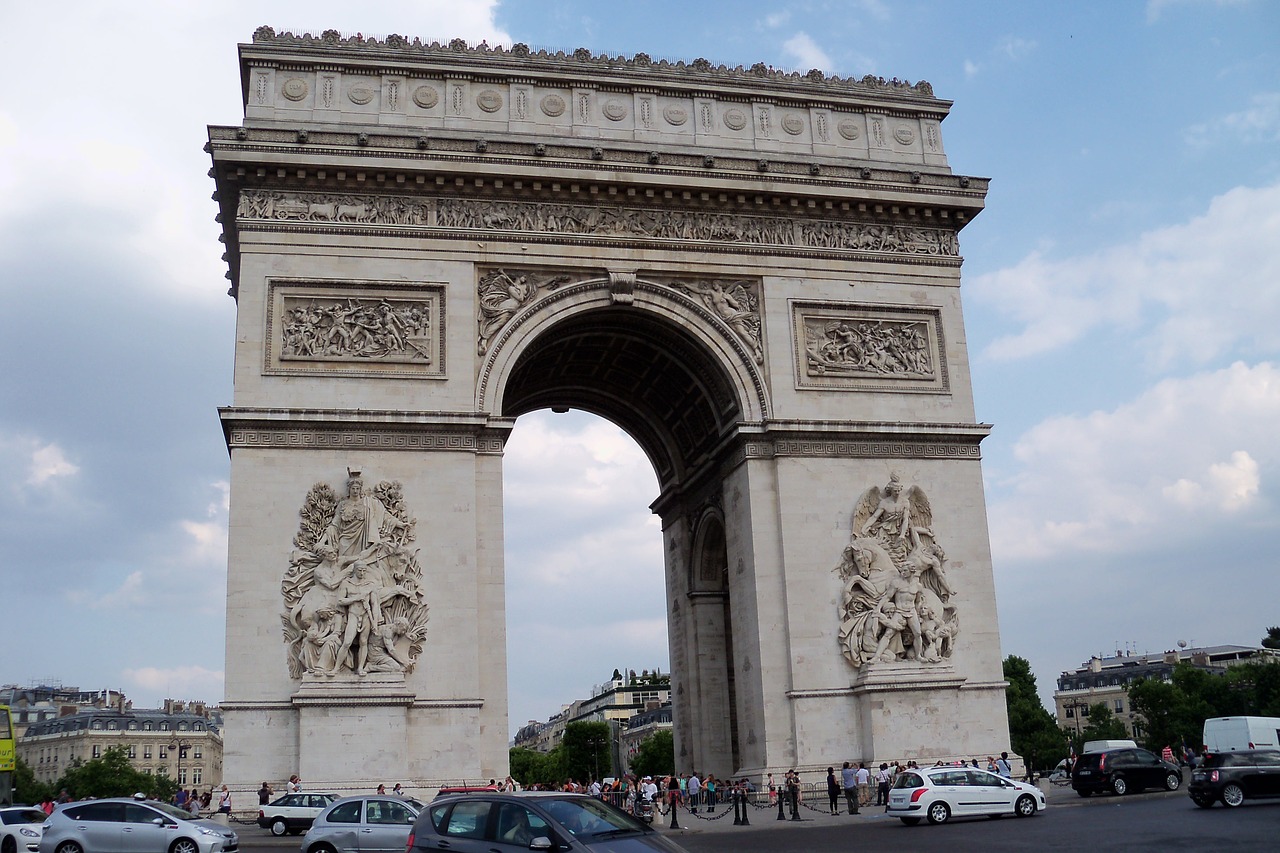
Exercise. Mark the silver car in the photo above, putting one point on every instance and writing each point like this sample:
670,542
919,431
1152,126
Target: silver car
370,824
20,829
123,825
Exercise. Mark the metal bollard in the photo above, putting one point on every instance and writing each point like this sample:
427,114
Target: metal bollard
737,812
795,803
675,821
781,799
745,804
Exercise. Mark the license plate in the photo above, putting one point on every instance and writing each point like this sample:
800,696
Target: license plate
1084,773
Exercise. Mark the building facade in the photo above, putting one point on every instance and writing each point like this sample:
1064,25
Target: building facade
1107,680
181,741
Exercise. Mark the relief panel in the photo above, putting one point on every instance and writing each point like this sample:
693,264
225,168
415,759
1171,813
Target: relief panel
851,347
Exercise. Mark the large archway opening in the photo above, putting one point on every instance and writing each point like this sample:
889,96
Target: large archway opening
647,377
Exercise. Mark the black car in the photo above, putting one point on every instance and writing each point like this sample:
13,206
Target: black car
484,822
1123,771
1233,777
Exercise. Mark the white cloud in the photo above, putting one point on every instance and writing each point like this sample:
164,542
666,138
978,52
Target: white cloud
47,462
1016,48
1188,458
131,594
42,463
971,68
1259,123
179,682
1190,292
776,19
806,53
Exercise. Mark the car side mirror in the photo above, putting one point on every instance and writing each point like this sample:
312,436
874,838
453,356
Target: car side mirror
542,842
158,821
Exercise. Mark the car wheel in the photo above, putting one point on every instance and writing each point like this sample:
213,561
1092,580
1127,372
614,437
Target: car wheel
1203,802
939,812
1232,795
68,847
1173,781
184,845
1120,786
9,845
910,821
321,848
1025,806
278,827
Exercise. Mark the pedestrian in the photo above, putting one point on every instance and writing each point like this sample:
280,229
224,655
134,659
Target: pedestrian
264,794
398,790
709,791
849,779
382,790
882,785
833,790
695,792
295,784
1167,753
224,801
864,785
773,790
1003,767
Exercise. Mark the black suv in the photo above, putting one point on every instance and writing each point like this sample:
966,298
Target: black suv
1233,777
1123,771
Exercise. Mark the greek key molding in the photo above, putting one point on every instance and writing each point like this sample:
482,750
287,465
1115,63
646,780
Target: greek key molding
846,346
597,222
354,438
838,448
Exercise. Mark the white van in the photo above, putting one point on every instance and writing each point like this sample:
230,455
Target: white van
1104,745
1227,734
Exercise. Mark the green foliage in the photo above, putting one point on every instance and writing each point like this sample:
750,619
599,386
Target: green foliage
656,756
1103,725
1272,640
27,789
1175,710
113,776
1033,733
528,765
586,751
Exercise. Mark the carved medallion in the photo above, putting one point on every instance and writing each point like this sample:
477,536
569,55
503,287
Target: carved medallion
675,116
426,97
793,124
848,129
615,110
897,604
904,134
354,601
553,106
295,89
490,100
735,119
360,94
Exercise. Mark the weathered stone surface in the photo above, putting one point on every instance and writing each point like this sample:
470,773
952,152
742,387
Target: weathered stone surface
755,274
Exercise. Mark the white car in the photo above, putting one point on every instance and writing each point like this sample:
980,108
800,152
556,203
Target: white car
939,793
293,813
20,829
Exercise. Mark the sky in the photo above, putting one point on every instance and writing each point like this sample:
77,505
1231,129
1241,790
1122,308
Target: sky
1121,295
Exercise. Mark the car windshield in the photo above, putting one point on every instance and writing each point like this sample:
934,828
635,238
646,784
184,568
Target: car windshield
586,816
171,811
908,780
22,816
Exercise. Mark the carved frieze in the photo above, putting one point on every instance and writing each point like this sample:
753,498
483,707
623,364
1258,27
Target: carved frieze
598,221
500,296
896,603
735,302
868,347
355,328
354,601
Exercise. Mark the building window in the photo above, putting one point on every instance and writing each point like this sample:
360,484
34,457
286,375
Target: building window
133,726
197,727
197,776
164,753
146,753
164,727
1071,712
182,727
133,751
97,725
112,725
1084,712
198,753
182,776
1119,705
97,751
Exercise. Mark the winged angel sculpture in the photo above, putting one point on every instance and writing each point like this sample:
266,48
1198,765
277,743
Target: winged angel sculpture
353,595
896,602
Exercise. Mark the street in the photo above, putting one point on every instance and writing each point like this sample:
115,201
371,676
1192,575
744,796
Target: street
1144,822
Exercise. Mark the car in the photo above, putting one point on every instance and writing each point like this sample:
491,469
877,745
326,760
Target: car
1123,771
293,813
133,824
531,820
365,824
20,829
1233,777
938,794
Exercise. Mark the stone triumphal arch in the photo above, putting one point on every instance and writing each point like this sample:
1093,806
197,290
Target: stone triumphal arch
755,274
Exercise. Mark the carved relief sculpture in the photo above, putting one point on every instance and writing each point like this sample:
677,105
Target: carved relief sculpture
353,596
868,347
357,330
896,604
737,303
499,296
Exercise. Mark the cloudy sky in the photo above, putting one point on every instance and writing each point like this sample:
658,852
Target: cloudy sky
1122,298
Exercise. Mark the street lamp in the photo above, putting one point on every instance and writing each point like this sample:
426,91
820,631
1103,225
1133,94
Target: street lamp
181,747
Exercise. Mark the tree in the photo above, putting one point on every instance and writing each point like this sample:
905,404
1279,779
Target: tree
26,788
1033,732
113,776
656,755
527,765
586,750
1272,640
1103,725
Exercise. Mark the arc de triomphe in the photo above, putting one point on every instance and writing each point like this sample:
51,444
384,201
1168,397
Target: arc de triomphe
755,274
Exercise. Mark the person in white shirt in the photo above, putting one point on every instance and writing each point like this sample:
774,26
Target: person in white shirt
864,785
649,789
1003,767
695,792
594,788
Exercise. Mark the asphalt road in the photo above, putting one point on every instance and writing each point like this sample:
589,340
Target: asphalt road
1143,822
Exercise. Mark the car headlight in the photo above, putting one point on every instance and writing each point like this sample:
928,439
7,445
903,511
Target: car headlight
204,830
29,832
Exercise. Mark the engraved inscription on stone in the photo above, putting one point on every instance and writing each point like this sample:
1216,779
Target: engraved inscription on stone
675,116
615,111
735,119
793,124
489,100
851,347
553,105
360,94
897,600
295,89
426,97
354,601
